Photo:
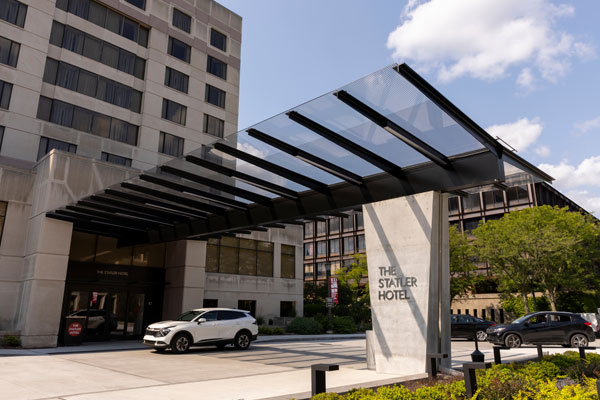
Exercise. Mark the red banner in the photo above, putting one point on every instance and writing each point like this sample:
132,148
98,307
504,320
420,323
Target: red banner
333,289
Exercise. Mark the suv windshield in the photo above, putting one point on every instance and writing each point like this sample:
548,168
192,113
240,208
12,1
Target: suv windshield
188,316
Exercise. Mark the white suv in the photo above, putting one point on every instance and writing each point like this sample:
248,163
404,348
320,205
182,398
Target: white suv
203,327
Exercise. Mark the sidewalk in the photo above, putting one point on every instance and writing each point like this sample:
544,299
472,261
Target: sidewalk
122,345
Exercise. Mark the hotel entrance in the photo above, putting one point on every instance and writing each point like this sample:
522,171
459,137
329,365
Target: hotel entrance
111,292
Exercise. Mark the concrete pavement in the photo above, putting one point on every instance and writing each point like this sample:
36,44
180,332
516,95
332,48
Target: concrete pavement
273,369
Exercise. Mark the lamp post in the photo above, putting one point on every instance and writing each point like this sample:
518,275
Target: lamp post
328,299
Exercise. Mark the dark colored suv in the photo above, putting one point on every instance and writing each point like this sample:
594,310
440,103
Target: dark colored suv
544,327
469,327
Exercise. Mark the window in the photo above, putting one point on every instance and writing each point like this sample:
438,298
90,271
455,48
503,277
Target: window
334,225
90,84
309,250
9,52
13,12
493,199
288,261
471,224
218,40
170,144
229,315
348,223
348,245
360,243
309,228
88,121
517,195
210,303
182,21
1,138
309,272
287,309
248,305
360,223
321,248
5,92
174,111
322,270
321,228
179,49
97,49
215,96
239,256
112,158
106,18
471,202
214,126
176,80
138,3
47,144
453,205
334,247
216,67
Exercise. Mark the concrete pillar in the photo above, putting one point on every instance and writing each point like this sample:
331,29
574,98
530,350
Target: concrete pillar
44,272
409,280
184,277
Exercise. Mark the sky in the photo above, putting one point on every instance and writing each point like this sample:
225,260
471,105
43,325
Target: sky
526,71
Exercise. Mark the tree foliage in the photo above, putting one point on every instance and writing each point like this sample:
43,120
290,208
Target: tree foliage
462,267
544,247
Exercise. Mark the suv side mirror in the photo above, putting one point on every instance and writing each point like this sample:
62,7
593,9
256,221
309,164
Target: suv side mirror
201,320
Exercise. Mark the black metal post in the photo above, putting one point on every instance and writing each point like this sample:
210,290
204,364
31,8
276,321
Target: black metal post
582,353
539,352
497,357
477,356
471,378
317,376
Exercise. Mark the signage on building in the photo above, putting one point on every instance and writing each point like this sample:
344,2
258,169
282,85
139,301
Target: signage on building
74,329
393,287
333,289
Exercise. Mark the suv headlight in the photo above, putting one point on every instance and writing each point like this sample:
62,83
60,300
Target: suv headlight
494,330
165,331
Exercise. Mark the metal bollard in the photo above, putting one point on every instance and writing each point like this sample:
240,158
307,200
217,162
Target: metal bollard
471,378
317,376
433,357
539,351
497,357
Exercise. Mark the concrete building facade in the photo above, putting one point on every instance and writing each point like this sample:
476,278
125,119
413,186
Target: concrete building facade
91,93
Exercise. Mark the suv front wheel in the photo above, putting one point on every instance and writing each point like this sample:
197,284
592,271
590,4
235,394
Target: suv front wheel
180,343
242,340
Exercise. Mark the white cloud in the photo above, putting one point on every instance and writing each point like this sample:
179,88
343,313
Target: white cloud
587,173
585,126
589,201
520,134
484,38
542,151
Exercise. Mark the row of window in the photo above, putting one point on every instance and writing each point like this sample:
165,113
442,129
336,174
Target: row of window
5,93
320,270
85,82
9,52
333,224
106,18
248,257
81,119
182,51
48,144
346,245
13,12
491,199
99,50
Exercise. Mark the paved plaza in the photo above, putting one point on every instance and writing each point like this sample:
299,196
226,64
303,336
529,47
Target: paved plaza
272,369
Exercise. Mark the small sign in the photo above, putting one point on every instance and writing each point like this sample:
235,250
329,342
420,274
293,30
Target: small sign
75,329
333,289
329,302
94,297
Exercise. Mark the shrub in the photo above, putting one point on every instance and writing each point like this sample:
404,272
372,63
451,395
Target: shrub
305,326
343,325
260,320
502,382
265,330
11,341
549,391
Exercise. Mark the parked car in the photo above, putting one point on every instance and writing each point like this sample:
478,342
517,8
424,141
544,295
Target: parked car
593,318
469,327
203,327
544,327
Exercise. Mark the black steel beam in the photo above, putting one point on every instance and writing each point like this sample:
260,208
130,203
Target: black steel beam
168,207
195,191
107,223
252,180
307,157
468,170
121,219
279,226
223,187
198,205
123,211
391,127
91,227
349,145
271,167
139,206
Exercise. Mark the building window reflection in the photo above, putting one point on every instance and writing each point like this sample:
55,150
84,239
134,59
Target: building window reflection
239,256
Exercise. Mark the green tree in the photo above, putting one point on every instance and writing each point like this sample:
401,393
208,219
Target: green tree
462,267
542,247
353,284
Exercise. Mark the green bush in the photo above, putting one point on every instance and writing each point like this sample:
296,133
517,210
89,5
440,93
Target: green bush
344,325
314,309
265,330
305,326
260,321
11,341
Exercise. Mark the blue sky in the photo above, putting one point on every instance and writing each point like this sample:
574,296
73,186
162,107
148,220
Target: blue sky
527,71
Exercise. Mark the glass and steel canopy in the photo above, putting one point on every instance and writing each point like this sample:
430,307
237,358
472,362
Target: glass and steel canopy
386,135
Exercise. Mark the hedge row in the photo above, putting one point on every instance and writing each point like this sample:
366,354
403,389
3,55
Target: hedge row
556,377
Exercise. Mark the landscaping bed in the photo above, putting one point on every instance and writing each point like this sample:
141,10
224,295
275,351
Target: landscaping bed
556,377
